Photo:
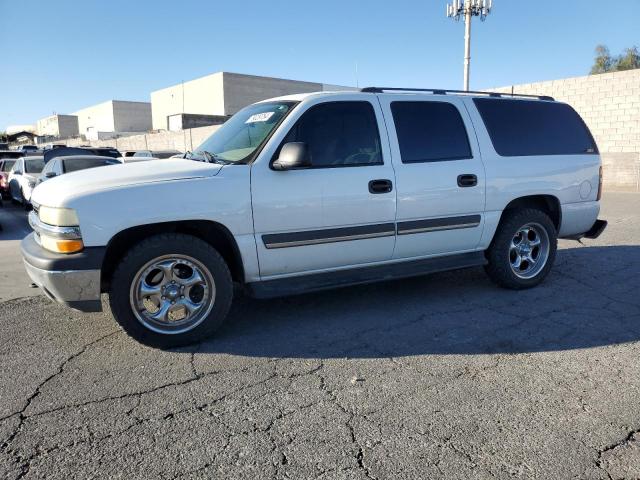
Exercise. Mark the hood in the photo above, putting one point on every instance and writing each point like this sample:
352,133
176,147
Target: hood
53,191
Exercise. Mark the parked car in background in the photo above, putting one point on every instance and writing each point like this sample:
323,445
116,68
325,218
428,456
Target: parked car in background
61,165
23,179
141,155
51,146
5,167
28,149
73,151
7,159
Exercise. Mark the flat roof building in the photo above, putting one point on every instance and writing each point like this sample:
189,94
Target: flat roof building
114,116
223,94
59,126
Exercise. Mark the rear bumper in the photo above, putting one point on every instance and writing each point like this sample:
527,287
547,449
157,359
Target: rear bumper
73,280
594,232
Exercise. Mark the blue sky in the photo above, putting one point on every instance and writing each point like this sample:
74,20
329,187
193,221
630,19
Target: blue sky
62,55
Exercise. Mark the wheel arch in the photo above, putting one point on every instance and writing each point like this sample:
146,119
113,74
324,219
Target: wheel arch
549,204
214,233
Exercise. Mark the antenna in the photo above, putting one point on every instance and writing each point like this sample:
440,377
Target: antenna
468,9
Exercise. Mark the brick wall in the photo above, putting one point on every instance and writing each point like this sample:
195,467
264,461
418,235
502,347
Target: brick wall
610,105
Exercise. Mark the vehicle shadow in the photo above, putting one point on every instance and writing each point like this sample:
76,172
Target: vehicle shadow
14,222
590,299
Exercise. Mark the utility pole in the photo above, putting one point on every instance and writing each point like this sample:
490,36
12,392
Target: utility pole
468,9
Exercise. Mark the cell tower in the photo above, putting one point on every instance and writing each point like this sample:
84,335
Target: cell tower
468,9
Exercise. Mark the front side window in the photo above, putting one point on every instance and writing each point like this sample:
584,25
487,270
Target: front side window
534,127
240,136
339,134
430,132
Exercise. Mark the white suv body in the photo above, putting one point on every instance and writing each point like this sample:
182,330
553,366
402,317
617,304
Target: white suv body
342,188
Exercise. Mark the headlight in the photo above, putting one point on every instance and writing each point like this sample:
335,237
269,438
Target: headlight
56,229
59,217
32,183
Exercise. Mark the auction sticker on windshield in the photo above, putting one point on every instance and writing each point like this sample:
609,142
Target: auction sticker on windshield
260,117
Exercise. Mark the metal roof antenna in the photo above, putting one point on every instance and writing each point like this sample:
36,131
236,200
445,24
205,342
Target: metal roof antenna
468,9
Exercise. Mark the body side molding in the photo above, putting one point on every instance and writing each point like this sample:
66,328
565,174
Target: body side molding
362,275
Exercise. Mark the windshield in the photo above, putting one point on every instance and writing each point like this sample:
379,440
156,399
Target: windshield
237,139
34,166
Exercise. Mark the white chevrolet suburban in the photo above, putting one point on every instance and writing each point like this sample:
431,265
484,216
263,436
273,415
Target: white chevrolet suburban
315,191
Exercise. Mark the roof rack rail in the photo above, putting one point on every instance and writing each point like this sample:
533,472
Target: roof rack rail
442,91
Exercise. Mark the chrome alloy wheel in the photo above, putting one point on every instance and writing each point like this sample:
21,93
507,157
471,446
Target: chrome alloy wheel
172,294
529,250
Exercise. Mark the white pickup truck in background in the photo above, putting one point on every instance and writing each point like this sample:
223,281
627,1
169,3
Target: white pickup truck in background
314,191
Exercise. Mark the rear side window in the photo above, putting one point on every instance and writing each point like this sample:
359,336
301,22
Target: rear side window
526,127
430,132
339,134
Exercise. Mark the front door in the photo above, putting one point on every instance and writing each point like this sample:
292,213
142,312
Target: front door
440,177
338,213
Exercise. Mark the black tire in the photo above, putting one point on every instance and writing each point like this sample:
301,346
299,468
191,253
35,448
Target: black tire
23,201
498,254
153,248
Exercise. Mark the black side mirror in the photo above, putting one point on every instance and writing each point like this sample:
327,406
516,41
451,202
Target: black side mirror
293,155
50,174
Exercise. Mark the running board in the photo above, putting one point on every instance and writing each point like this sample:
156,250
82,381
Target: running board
362,275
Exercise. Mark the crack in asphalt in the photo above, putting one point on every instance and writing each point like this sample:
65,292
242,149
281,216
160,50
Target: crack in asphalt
25,464
356,423
359,455
612,447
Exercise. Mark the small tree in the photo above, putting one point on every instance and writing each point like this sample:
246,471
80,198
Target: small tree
629,60
603,61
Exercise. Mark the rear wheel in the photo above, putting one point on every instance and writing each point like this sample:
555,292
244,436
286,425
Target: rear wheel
171,290
523,249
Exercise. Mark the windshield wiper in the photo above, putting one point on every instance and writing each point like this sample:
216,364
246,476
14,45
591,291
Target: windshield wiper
212,157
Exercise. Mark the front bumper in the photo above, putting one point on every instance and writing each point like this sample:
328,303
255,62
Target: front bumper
73,280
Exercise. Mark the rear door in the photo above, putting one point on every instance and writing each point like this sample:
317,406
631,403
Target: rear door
440,177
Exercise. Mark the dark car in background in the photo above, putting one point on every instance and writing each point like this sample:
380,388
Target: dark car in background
61,165
74,151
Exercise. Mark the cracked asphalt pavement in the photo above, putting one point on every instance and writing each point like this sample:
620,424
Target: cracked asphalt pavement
445,376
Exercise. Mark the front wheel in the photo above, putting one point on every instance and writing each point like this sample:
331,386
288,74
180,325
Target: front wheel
171,290
523,249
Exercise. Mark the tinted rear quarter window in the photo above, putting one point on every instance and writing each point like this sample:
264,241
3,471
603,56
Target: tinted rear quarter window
530,127
430,132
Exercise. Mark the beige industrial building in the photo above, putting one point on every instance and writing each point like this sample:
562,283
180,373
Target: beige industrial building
113,116
223,94
59,126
